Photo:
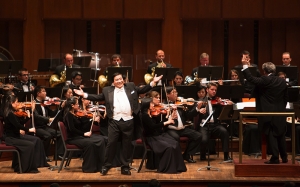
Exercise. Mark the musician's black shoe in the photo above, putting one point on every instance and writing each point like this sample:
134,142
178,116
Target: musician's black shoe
203,157
272,162
188,158
104,170
125,170
285,160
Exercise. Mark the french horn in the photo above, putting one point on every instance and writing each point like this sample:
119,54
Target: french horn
149,77
102,79
55,80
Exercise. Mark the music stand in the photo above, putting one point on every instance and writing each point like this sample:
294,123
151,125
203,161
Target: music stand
15,66
54,92
85,73
187,91
168,73
253,71
210,72
228,91
44,65
24,96
293,94
208,167
123,70
5,66
290,71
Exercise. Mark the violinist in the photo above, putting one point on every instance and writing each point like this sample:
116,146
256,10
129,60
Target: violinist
93,145
180,128
43,116
86,116
216,129
76,81
163,145
30,147
24,82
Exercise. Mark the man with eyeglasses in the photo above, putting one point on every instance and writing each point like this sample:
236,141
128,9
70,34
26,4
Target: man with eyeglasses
76,81
24,84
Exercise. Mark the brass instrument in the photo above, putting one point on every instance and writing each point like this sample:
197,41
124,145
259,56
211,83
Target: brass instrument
188,80
149,77
102,79
55,80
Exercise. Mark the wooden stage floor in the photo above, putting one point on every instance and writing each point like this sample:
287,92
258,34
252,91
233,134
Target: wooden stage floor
74,176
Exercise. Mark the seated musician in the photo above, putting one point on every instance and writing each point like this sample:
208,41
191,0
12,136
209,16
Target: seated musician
43,116
76,81
115,61
245,60
30,147
204,61
215,128
233,75
178,79
286,60
24,83
68,63
163,145
181,116
93,145
160,56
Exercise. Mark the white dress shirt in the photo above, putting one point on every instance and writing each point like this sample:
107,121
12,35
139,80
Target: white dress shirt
121,105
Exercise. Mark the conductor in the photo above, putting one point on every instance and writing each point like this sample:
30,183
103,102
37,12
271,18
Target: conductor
270,92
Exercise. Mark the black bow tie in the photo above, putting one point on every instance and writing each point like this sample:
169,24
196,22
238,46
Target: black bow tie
23,83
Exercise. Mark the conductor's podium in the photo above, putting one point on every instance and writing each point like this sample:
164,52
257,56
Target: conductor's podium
257,167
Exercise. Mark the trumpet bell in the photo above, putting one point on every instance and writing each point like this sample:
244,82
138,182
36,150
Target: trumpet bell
55,80
188,80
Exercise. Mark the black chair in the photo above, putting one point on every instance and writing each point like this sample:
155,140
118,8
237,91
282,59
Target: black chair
7,148
69,148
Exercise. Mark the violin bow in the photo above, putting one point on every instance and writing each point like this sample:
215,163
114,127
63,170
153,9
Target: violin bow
32,116
94,114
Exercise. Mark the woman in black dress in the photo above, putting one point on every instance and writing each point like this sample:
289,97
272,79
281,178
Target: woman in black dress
164,146
93,145
31,148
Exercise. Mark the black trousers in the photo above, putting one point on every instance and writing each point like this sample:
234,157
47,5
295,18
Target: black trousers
194,139
276,145
216,131
123,130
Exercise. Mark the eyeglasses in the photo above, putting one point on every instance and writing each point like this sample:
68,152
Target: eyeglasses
25,75
157,97
78,79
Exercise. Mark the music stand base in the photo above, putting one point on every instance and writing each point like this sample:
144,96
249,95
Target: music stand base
208,168
226,161
52,168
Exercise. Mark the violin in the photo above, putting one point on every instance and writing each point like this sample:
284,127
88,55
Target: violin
52,101
21,113
81,114
159,109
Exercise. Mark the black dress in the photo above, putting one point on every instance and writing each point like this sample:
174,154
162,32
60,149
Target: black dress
164,146
31,148
93,146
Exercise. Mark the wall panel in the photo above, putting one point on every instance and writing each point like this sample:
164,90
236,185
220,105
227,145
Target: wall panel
242,9
264,42
4,39
293,40
16,39
205,40
104,9
146,9
153,41
103,37
241,37
52,38
190,50
217,40
62,9
12,9
80,35
278,40
282,9
67,36
199,9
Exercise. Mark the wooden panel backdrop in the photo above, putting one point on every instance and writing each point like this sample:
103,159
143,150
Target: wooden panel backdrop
12,9
146,9
104,9
201,9
62,9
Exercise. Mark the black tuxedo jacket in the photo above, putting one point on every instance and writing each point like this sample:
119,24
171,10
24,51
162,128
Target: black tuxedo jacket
248,85
271,96
39,119
132,93
154,64
19,85
61,68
